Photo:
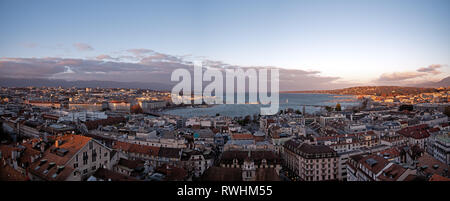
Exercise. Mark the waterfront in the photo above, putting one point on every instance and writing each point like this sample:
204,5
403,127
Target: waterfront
293,100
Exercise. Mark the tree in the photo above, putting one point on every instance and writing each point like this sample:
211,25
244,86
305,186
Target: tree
297,112
328,108
136,109
406,107
338,107
447,111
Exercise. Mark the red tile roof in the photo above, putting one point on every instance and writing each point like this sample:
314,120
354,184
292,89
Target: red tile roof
392,173
433,165
8,173
71,143
416,132
108,175
136,148
391,153
378,166
437,177
172,173
241,136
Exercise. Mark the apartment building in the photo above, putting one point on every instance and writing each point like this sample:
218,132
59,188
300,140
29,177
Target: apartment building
311,162
70,158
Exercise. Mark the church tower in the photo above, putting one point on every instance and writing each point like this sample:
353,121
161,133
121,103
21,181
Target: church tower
248,169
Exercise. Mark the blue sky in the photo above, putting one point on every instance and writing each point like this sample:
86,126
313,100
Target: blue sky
357,41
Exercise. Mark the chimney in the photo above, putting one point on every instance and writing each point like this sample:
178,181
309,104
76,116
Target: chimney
57,143
42,147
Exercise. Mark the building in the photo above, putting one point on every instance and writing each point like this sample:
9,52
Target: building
427,166
197,162
441,148
311,162
349,142
416,134
70,158
148,106
374,167
103,174
245,166
137,152
129,167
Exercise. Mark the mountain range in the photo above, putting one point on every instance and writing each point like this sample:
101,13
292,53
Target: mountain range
15,82
443,83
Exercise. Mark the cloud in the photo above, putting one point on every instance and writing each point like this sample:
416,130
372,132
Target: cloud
30,45
409,77
154,68
139,51
400,76
159,57
106,57
431,69
83,47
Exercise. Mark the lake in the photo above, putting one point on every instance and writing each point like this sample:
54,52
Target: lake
287,100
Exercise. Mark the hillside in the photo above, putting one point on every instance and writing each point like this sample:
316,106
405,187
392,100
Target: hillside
372,90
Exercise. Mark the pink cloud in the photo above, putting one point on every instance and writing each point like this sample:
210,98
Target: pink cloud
83,47
433,68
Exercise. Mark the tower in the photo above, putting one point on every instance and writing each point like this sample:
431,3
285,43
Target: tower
248,169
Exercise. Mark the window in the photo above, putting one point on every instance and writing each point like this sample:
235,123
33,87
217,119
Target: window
85,158
75,165
94,167
91,145
85,171
94,155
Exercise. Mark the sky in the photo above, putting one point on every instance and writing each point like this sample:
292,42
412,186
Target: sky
326,42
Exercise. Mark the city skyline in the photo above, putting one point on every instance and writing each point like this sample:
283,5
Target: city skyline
324,44
209,99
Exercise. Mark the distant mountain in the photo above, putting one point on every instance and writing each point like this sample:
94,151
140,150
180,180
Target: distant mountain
443,83
371,90
15,82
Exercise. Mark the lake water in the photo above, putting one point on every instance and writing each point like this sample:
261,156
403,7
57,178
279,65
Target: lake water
294,101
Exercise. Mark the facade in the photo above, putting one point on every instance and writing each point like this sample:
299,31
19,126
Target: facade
152,105
197,162
375,168
311,162
441,148
416,135
137,152
70,158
